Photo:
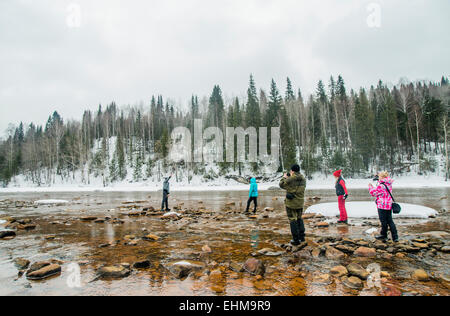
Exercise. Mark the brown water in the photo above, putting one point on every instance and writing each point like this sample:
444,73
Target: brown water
232,236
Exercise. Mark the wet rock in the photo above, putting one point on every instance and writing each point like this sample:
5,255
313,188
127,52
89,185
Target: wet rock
134,214
353,282
151,237
21,263
333,254
233,266
113,272
385,274
206,249
445,249
303,254
182,269
420,245
148,209
324,279
26,227
50,237
436,234
355,269
99,221
142,264
255,267
345,249
420,275
322,225
7,233
339,271
44,272
365,252
88,218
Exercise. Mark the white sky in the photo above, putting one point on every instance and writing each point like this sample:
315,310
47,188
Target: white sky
127,51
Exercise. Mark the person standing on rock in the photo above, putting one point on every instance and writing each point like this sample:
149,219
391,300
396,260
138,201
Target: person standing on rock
252,195
342,194
166,193
295,185
383,195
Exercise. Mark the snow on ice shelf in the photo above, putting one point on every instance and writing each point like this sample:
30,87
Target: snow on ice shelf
51,202
369,210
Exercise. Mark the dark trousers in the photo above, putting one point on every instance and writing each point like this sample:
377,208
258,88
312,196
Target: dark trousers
387,222
255,200
165,200
296,223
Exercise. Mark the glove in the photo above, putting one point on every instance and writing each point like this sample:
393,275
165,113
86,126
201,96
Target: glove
345,197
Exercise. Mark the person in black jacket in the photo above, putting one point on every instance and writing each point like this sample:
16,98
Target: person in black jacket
342,193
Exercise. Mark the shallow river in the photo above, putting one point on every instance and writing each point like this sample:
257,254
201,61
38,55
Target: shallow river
231,235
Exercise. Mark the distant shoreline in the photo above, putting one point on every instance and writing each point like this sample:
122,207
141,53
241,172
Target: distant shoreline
355,184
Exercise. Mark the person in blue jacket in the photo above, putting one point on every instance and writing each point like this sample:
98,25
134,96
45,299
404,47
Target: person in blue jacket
253,195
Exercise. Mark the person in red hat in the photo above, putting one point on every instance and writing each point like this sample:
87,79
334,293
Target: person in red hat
342,193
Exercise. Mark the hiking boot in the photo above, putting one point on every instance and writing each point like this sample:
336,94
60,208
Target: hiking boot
382,238
294,243
343,222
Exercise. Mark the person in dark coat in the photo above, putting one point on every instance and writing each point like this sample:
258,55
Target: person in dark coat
342,194
166,193
295,185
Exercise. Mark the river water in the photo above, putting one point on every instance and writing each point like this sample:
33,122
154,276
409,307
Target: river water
231,235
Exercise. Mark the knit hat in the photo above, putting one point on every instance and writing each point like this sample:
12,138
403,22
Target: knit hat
337,173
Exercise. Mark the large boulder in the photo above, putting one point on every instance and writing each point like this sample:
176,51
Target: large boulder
44,272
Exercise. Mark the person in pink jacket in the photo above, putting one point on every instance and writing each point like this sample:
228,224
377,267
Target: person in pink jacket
384,204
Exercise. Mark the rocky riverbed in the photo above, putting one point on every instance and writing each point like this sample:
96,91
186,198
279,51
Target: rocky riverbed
119,244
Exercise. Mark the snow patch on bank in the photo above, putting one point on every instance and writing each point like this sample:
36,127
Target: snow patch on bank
51,202
369,210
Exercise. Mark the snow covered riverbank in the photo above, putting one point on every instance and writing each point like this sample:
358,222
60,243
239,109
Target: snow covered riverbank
369,210
318,183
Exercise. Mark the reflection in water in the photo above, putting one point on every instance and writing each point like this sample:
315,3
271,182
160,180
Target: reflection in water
342,229
254,237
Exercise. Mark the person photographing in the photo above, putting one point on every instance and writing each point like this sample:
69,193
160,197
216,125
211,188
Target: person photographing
166,194
383,194
295,184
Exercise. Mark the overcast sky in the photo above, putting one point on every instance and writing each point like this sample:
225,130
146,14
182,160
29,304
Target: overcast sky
128,50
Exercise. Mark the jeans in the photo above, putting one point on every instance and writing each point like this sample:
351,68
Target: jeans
387,222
